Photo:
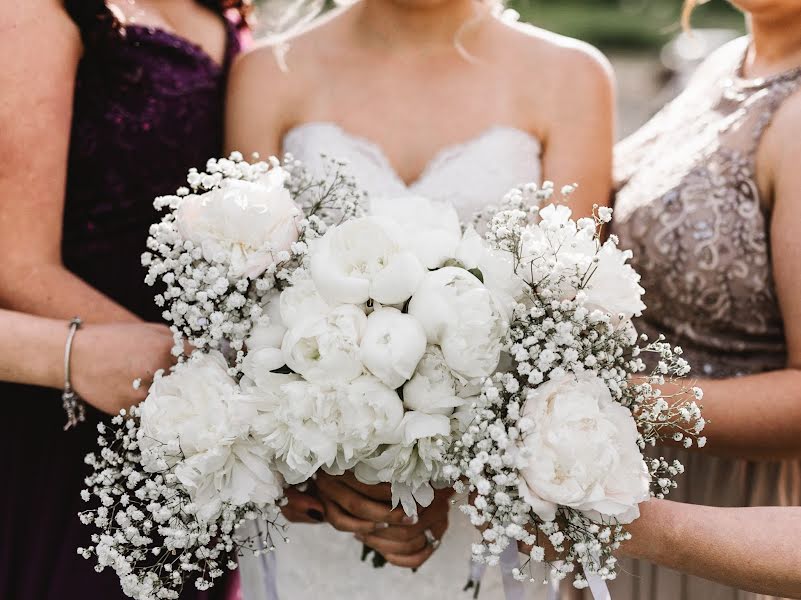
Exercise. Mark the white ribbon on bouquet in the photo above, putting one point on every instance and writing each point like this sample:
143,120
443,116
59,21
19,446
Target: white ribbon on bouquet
514,589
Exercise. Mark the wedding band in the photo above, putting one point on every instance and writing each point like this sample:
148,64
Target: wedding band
431,539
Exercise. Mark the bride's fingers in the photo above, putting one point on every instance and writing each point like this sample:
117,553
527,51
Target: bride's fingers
344,522
413,561
357,505
392,547
302,507
381,492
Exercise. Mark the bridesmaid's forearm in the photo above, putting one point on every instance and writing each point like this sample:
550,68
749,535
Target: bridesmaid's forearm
757,417
754,549
50,290
32,349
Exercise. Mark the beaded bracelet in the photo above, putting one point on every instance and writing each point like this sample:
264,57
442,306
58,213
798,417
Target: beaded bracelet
73,405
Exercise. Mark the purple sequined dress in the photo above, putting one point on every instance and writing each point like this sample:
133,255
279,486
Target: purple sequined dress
148,106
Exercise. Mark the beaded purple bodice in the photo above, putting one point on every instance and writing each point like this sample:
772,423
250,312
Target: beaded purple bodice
148,106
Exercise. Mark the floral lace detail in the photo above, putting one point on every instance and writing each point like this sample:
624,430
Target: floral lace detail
691,211
472,174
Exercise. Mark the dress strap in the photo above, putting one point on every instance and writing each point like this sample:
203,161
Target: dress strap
762,98
94,18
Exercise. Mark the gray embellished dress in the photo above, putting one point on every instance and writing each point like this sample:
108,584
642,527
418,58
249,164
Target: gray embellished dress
689,207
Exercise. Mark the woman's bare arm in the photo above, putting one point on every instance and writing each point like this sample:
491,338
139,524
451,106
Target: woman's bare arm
578,147
35,120
754,549
105,358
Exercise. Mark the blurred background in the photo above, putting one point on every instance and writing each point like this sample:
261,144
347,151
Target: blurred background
643,39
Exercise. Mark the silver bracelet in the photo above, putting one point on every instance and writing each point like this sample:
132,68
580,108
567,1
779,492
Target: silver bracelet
73,405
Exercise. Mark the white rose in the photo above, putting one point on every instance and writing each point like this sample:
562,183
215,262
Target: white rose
193,420
431,228
459,314
583,452
392,345
310,426
326,349
434,388
363,259
243,221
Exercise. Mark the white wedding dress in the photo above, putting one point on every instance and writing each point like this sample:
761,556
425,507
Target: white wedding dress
320,562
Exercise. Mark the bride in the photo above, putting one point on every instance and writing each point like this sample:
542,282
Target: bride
436,98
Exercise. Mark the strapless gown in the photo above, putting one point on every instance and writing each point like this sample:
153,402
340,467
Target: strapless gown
320,562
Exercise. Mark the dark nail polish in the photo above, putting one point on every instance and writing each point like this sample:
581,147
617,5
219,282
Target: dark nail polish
315,514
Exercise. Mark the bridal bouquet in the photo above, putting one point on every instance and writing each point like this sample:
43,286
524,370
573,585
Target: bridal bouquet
554,451
321,339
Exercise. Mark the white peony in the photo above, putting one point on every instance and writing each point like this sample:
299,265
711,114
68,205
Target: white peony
431,228
459,314
495,266
434,388
326,349
362,259
311,426
614,286
582,452
193,420
243,221
412,467
265,339
301,301
392,345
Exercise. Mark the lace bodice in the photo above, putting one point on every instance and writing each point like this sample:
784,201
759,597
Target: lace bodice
690,209
471,175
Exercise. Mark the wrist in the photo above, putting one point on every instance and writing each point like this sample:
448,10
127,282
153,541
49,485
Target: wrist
652,532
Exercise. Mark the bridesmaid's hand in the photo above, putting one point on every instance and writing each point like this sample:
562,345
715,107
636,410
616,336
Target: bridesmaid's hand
106,359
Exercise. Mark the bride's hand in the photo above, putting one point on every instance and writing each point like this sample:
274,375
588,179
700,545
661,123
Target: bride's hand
354,507
303,507
409,545
366,511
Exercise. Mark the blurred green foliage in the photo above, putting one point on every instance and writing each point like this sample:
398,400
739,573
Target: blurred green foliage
619,24
623,24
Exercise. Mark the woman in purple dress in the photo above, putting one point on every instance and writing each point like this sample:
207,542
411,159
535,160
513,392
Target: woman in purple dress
103,106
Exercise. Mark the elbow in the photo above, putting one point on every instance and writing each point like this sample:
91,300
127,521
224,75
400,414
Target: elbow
21,280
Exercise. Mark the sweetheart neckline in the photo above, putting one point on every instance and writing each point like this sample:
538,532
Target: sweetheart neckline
441,156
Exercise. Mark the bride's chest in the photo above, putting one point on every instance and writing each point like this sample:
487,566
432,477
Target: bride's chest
470,174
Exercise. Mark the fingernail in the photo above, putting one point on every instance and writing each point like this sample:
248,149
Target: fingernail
381,525
411,519
359,537
315,514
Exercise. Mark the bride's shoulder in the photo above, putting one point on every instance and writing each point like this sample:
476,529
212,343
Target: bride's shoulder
546,52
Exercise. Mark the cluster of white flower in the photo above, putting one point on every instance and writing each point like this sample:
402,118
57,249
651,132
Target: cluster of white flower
153,531
554,453
177,476
233,235
386,335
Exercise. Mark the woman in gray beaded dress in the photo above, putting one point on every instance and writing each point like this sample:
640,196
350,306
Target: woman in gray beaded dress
710,203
